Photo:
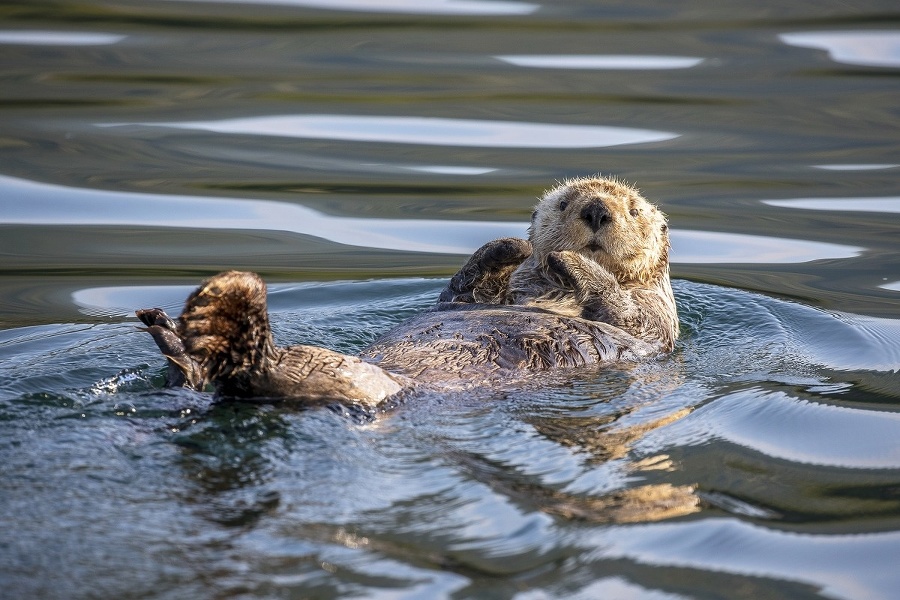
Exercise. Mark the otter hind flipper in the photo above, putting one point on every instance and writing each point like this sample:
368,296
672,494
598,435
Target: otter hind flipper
182,370
225,330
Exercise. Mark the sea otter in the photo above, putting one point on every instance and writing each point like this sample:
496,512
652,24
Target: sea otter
590,285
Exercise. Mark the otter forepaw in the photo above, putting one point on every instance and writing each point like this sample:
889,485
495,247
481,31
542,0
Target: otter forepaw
485,276
503,253
564,265
584,276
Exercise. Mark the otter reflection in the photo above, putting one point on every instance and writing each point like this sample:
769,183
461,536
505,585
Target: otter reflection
599,436
604,438
651,502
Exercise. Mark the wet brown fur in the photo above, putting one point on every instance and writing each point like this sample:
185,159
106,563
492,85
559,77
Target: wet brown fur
579,292
225,328
615,271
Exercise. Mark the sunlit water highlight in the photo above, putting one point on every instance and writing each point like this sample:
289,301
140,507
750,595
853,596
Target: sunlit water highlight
866,48
426,7
876,167
743,548
879,205
58,38
424,130
607,62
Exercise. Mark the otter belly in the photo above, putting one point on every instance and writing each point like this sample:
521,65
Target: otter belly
456,340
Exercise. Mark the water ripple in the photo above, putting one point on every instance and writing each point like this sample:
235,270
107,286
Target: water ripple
426,7
754,337
882,205
424,130
58,38
866,48
710,247
27,202
600,61
856,167
783,427
841,566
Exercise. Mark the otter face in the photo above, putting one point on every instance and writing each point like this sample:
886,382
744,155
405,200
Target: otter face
606,221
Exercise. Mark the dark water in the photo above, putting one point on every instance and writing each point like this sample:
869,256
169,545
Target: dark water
353,152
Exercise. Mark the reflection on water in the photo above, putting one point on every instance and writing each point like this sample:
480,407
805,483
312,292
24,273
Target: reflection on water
880,205
58,38
427,7
779,426
610,62
121,301
708,247
645,503
449,170
855,167
425,130
43,204
867,48
857,564
35,203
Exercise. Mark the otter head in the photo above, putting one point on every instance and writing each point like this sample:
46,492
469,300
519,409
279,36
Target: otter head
225,325
606,221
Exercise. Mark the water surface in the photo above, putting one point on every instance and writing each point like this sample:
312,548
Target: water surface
353,153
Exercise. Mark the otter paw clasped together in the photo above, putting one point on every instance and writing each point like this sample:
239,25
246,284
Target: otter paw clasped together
590,286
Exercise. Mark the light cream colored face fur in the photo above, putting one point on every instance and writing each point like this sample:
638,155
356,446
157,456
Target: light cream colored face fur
631,239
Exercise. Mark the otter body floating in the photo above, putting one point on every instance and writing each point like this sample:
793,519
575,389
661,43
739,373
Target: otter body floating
589,286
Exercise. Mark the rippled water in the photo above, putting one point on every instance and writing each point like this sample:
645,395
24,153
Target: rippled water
353,152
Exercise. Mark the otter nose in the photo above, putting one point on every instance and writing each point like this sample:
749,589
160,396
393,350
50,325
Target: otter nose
595,215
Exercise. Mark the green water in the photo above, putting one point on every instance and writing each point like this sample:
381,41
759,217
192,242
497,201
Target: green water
353,153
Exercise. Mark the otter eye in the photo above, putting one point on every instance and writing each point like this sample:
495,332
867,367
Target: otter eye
563,204
633,212
533,215
664,228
